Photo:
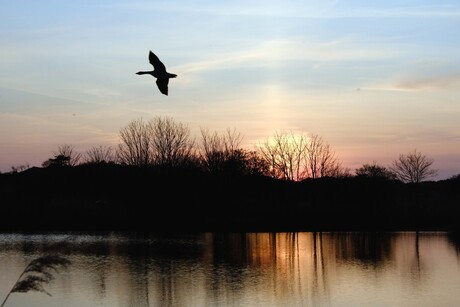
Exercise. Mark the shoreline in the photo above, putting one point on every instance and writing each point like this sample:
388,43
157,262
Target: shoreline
112,198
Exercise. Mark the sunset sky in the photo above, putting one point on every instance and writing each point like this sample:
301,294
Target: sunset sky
374,78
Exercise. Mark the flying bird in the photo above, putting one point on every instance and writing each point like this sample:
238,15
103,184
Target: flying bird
159,72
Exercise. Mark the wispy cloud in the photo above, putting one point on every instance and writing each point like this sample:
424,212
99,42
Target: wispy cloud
384,11
323,10
445,82
414,84
265,8
273,52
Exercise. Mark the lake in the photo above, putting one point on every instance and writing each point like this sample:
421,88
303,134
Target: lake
238,269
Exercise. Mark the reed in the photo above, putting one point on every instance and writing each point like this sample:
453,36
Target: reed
38,273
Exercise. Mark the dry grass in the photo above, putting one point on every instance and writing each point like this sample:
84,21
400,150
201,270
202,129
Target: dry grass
38,273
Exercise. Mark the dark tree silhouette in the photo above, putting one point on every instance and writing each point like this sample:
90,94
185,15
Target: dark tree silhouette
19,168
100,154
171,144
300,156
255,165
321,161
67,150
413,167
217,151
161,141
59,160
135,146
455,177
375,171
64,156
285,153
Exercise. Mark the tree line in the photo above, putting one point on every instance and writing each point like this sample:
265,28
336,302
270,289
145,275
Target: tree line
159,177
165,142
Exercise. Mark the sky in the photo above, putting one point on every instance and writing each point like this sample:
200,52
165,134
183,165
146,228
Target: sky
375,79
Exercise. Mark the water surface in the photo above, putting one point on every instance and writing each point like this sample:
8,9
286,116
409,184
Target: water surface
239,269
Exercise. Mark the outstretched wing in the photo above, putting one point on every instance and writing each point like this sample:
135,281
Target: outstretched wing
162,84
157,64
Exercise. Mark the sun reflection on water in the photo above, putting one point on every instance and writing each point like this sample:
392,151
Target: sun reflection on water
241,269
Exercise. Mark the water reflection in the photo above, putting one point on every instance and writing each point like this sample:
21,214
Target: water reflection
241,269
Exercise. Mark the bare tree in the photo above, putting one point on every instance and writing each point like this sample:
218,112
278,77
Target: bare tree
222,153
67,150
321,161
161,141
217,150
58,160
413,167
269,152
100,154
232,141
300,156
256,165
136,142
171,144
212,151
285,153
64,156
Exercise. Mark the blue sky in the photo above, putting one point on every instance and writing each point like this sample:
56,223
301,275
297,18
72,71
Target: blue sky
374,78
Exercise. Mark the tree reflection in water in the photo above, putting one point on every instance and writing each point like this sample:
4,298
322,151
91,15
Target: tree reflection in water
233,269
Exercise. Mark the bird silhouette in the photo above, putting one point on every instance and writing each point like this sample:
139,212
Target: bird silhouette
159,72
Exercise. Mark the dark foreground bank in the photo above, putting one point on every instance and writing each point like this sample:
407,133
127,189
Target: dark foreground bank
115,197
